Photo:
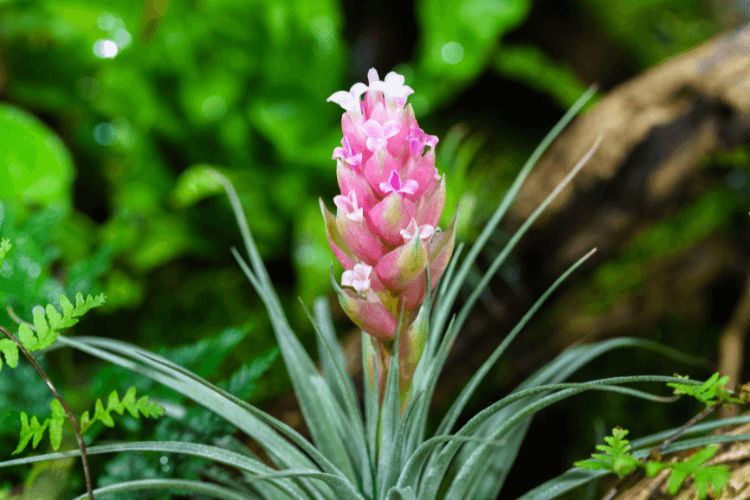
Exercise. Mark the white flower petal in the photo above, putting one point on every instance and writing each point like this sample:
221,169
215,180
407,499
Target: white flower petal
426,231
357,90
394,79
372,76
345,100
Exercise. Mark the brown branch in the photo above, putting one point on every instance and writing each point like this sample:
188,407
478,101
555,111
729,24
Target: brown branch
71,418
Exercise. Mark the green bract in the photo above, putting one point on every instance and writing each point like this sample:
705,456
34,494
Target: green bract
383,452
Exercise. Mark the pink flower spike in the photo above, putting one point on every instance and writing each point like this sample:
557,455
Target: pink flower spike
359,278
378,135
424,231
348,205
394,184
437,175
349,100
346,153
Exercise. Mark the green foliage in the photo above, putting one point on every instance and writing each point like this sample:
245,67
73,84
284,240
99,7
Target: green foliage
47,329
661,28
619,460
709,393
622,277
35,430
617,457
128,403
703,475
530,65
36,165
457,43
198,425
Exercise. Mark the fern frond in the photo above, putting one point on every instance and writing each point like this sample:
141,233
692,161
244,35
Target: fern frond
48,322
709,393
617,459
32,429
36,430
129,403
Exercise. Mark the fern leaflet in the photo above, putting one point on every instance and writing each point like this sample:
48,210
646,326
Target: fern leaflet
128,403
617,458
48,328
34,430
709,393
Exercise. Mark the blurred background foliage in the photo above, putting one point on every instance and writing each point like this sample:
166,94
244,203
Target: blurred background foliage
111,111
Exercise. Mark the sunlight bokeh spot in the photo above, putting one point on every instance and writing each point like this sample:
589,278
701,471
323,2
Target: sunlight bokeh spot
105,49
452,52
104,133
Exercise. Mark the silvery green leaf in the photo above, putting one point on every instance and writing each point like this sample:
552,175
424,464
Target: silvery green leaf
390,413
199,487
245,417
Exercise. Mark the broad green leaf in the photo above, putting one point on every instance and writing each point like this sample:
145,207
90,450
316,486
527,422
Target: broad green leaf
35,166
457,41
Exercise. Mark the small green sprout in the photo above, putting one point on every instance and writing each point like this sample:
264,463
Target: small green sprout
617,458
709,393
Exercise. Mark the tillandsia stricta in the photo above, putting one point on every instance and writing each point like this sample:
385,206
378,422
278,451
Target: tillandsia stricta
377,452
386,233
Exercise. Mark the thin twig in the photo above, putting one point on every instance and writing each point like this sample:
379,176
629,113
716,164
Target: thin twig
71,418
656,451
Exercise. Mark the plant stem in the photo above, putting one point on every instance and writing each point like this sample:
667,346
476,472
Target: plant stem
71,418
655,451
